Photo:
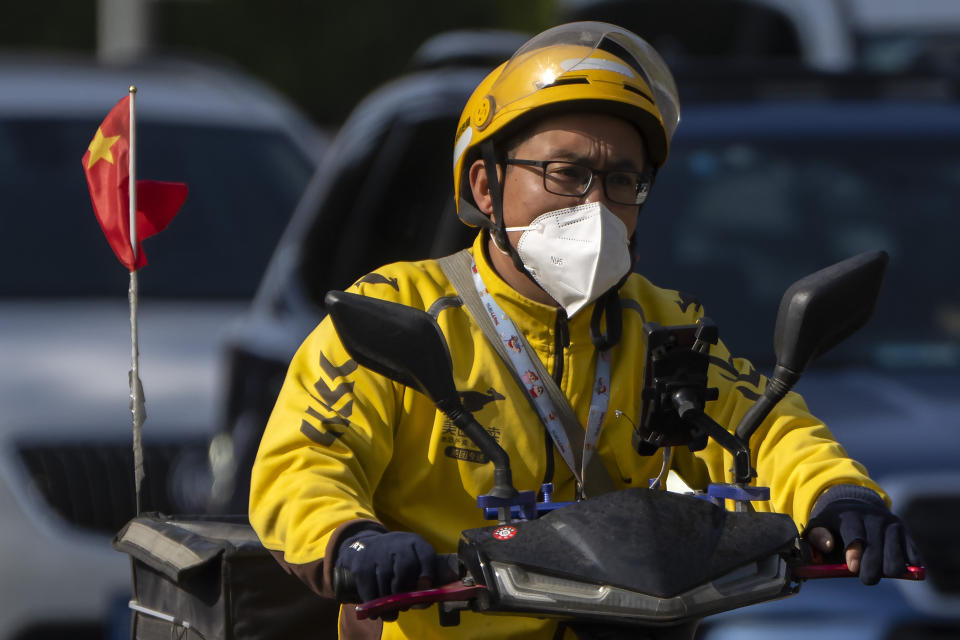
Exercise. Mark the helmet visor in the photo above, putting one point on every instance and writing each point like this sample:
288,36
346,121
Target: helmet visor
571,49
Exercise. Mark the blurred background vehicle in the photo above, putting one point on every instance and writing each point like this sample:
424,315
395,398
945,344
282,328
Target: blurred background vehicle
877,36
66,475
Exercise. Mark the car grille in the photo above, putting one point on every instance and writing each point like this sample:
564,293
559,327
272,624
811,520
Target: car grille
90,485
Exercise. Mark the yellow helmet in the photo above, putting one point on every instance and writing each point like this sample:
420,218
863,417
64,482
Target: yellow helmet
590,65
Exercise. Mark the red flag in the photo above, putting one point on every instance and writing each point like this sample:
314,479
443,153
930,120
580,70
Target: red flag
107,167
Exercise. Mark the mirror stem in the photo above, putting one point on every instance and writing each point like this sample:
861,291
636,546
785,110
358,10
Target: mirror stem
778,385
689,409
502,476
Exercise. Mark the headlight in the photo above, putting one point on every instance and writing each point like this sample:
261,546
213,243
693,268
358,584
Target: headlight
519,589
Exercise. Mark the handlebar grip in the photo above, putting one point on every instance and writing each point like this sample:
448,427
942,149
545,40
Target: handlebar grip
345,586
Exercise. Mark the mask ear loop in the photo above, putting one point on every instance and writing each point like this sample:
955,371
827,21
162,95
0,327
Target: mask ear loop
499,228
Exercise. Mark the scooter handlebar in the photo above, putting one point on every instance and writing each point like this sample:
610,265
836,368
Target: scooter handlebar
344,585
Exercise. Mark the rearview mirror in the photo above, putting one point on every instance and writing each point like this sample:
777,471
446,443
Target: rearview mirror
406,345
822,309
397,341
816,313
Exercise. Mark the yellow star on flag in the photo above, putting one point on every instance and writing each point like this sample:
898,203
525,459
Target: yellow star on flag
100,148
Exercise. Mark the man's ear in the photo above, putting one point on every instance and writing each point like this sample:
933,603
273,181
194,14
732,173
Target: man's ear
480,187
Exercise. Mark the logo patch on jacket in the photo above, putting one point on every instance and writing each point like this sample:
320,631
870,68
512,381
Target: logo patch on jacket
326,437
685,300
326,429
470,455
751,379
376,278
475,401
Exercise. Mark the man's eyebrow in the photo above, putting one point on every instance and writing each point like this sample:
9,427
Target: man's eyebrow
618,164
624,164
568,156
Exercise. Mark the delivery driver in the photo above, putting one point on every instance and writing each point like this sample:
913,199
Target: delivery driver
554,155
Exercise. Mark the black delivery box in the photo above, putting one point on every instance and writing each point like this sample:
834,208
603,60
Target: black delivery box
209,578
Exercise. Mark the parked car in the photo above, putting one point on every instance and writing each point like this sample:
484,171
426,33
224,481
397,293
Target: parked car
875,35
878,36
768,180
66,475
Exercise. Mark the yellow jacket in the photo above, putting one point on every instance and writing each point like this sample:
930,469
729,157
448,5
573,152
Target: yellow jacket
345,444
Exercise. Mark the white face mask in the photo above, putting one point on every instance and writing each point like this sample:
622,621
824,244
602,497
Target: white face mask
575,254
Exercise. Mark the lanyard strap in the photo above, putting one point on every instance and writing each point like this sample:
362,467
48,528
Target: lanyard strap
521,356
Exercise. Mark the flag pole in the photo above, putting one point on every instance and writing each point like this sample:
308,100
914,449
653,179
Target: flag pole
137,405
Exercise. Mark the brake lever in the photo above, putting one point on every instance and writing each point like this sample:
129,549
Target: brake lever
817,571
452,592
345,586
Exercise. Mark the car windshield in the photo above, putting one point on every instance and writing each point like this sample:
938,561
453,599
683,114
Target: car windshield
735,223
244,184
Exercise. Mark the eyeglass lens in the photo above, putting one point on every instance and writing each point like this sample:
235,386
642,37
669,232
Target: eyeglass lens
568,179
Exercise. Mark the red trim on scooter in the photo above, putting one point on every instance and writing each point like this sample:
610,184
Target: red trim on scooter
816,571
400,601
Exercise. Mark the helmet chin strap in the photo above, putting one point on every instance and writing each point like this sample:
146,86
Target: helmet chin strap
498,228
608,304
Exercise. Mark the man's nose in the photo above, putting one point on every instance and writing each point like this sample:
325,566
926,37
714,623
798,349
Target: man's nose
596,193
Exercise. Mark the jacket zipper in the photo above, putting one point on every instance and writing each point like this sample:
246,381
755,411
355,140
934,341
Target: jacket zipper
561,342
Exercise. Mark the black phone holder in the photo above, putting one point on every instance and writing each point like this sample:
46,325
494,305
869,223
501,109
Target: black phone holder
675,379
674,396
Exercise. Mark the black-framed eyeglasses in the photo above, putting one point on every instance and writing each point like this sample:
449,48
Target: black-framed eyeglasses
571,179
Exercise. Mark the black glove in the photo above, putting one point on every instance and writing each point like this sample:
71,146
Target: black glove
386,563
857,514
